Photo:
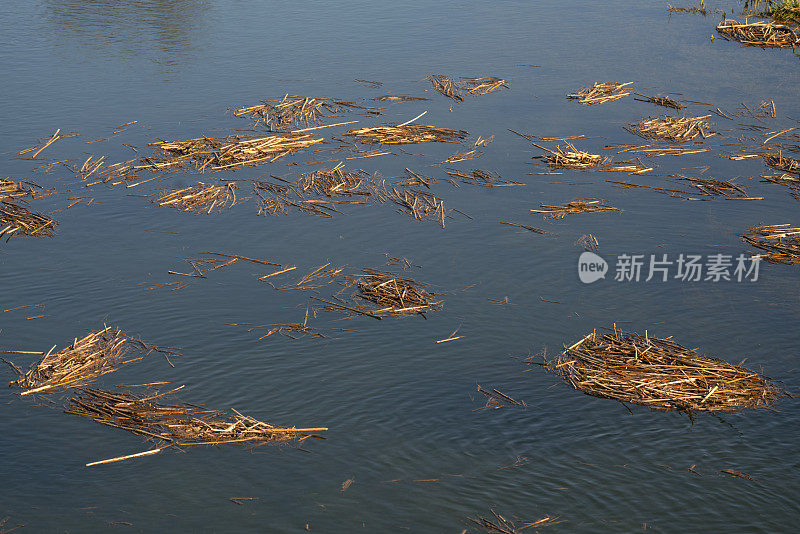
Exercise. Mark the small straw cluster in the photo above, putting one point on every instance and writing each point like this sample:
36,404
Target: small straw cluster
291,110
200,197
763,34
418,204
499,524
337,182
660,374
660,101
600,93
388,295
676,129
781,241
16,219
570,158
227,152
581,205
11,190
399,98
782,163
81,363
447,86
483,179
712,187
406,134
180,425
484,85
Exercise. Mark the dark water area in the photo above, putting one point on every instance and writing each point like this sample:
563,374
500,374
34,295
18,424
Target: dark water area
403,413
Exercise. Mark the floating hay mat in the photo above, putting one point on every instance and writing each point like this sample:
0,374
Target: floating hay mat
661,374
763,34
581,205
392,295
96,354
406,134
484,85
676,129
782,163
337,182
200,197
293,110
570,158
181,425
447,86
227,152
19,220
600,93
11,190
781,241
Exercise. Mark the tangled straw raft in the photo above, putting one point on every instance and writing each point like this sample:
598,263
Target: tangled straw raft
337,182
181,425
200,197
406,134
581,205
781,242
600,93
676,129
227,152
763,34
660,374
16,219
80,364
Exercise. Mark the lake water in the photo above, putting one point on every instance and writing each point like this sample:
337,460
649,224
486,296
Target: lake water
403,412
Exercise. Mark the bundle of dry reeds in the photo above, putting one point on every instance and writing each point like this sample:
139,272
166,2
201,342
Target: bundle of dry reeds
710,186
181,425
447,86
227,152
781,241
661,374
418,204
337,182
484,85
80,364
581,205
406,134
600,93
389,295
483,179
782,163
16,219
293,110
272,198
10,190
121,172
677,129
763,34
570,158
200,197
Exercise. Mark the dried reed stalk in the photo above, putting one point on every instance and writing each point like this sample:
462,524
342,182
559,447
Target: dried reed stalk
712,187
16,220
600,93
506,526
463,156
581,205
781,242
46,143
660,374
782,163
200,197
406,134
763,34
182,425
227,152
676,129
80,364
399,98
660,101
483,179
447,86
484,85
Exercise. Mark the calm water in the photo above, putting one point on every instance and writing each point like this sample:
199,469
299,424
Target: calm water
400,408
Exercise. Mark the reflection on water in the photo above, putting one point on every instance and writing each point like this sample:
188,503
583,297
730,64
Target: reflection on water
124,28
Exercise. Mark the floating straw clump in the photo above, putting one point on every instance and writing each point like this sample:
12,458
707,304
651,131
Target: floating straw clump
16,220
570,158
447,86
600,93
337,182
782,163
676,129
387,294
406,134
181,425
200,198
581,205
660,374
763,34
781,242
484,85
11,190
293,110
81,363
